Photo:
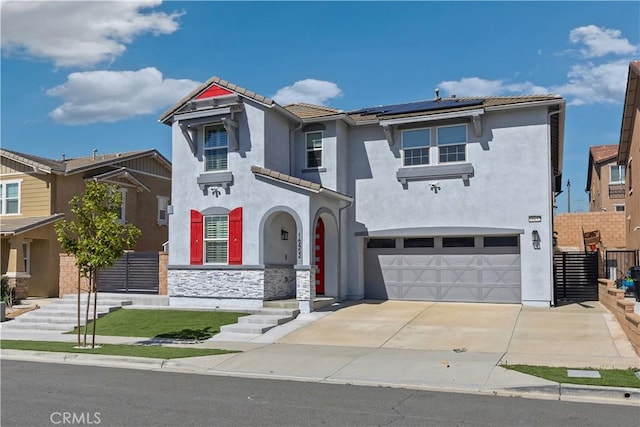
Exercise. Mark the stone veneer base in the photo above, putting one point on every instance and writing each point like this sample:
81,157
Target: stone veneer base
213,303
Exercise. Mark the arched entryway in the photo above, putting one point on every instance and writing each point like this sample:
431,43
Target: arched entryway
279,253
325,253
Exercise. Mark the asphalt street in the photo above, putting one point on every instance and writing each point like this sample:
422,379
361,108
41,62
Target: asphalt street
42,394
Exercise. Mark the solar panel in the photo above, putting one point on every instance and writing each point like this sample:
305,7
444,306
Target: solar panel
414,107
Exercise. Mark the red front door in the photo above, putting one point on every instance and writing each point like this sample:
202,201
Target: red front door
319,255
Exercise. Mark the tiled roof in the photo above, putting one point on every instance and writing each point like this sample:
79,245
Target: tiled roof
292,180
218,82
69,166
305,111
601,153
11,226
488,102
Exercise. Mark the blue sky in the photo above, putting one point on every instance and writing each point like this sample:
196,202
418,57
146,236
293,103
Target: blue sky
82,75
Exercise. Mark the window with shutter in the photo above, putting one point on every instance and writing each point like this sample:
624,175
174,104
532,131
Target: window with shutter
235,236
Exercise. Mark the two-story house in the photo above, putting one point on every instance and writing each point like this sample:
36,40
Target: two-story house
628,149
35,193
448,199
605,179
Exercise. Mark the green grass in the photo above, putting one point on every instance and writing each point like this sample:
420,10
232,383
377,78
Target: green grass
176,324
153,351
610,377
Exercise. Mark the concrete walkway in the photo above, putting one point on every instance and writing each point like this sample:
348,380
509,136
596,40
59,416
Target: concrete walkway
421,345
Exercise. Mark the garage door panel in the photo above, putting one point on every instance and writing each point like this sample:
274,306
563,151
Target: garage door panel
440,277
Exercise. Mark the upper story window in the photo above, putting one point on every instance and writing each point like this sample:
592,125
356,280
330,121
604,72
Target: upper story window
314,149
415,146
216,235
617,174
10,197
216,148
452,143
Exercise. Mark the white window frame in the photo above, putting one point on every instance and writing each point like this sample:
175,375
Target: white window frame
219,148
454,144
163,206
620,168
206,239
308,150
421,147
3,198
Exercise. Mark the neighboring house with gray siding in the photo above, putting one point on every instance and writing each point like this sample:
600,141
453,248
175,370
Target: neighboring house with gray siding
448,199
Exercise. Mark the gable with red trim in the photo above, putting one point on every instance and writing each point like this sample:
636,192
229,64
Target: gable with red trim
214,91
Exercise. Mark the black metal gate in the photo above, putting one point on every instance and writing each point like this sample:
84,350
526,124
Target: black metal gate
617,263
575,277
135,272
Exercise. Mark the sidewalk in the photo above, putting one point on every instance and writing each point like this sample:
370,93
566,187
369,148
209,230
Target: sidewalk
392,350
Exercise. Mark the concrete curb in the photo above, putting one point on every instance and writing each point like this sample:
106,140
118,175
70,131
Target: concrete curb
556,391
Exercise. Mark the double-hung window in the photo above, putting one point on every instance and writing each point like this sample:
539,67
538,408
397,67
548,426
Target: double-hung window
617,174
452,143
10,198
314,149
216,148
415,146
216,237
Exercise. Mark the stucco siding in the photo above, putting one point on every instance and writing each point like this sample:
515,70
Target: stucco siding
35,193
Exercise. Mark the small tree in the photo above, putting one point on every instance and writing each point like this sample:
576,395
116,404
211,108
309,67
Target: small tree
96,238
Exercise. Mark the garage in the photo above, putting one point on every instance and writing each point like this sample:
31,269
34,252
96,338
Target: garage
459,268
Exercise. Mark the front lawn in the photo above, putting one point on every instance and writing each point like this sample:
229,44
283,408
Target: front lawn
175,324
153,351
610,377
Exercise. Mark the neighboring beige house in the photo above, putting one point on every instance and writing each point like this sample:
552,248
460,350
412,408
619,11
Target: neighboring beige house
35,193
605,180
629,155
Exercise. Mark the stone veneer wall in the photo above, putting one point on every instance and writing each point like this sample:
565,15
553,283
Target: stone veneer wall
279,282
305,288
218,283
613,299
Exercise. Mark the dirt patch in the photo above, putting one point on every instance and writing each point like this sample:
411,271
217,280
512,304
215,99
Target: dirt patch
15,311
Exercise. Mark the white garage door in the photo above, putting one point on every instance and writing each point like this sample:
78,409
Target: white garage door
484,270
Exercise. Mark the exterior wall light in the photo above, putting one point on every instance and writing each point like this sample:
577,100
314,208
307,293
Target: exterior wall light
284,234
535,238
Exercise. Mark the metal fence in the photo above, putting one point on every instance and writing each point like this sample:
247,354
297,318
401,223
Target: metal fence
135,272
575,277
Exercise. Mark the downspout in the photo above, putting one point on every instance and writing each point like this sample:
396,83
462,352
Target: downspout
552,176
291,151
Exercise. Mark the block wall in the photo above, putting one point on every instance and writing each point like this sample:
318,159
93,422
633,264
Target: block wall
622,308
571,225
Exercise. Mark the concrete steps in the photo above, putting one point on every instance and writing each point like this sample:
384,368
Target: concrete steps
261,321
62,315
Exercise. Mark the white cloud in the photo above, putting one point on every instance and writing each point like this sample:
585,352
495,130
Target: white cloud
594,84
79,33
110,96
309,91
600,41
475,86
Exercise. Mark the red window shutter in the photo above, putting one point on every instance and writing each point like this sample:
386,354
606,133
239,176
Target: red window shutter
196,238
235,236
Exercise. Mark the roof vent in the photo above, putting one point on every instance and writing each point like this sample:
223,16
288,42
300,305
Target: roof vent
438,94
95,150
64,157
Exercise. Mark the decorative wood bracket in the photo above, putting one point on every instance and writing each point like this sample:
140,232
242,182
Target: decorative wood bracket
230,126
388,133
477,125
190,134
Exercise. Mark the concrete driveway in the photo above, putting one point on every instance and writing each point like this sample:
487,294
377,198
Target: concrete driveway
574,335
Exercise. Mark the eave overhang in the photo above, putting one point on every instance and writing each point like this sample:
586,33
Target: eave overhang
629,113
441,232
298,183
15,226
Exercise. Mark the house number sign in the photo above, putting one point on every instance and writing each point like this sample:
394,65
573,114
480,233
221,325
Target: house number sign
299,247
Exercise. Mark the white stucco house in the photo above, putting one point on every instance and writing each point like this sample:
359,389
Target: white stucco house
448,199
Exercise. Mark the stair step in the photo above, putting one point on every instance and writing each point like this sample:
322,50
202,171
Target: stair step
277,311
63,327
247,328
265,319
322,302
57,319
283,303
